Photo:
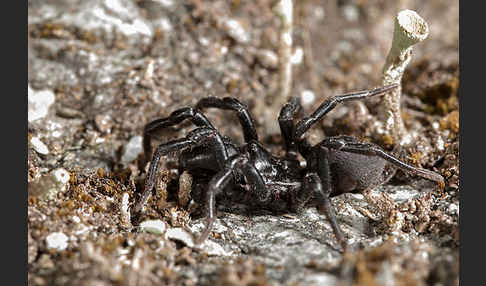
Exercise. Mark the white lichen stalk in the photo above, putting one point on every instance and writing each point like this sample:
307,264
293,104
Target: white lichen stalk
410,29
284,10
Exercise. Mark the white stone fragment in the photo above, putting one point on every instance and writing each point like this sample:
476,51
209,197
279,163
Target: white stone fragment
213,249
312,215
321,279
124,209
38,103
236,31
453,209
204,41
268,58
164,24
351,13
135,27
132,149
61,175
39,146
153,226
224,50
435,125
149,70
57,241
180,235
298,56
165,3
307,97
440,144
137,259
401,195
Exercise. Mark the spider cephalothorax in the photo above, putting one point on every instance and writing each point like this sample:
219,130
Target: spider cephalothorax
337,165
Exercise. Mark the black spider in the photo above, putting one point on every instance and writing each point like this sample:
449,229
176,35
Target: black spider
249,173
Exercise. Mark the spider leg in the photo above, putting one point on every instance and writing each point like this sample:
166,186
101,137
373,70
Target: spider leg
317,183
174,118
286,122
302,196
287,128
313,182
374,150
199,137
196,159
222,179
307,122
229,103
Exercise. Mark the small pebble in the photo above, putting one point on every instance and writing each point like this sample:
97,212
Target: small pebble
47,186
320,279
38,103
213,249
236,31
39,146
103,122
165,3
180,235
76,219
125,210
351,13
153,226
453,209
61,175
132,149
307,97
57,241
297,56
268,58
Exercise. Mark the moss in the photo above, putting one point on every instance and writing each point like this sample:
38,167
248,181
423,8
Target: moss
415,157
100,173
450,122
53,30
32,201
441,98
387,141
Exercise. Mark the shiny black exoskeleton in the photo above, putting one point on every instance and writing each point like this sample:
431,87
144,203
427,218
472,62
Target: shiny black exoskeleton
337,165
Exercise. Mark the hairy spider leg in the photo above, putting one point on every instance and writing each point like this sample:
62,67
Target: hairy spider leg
198,137
222,179
373,150
176,117
228,103
307,122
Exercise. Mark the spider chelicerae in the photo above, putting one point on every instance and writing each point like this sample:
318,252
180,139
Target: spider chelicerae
250,174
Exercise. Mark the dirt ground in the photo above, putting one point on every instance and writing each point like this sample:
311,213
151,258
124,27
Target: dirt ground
100,70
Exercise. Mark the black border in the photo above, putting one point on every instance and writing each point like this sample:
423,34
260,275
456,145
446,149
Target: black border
471,109
14,156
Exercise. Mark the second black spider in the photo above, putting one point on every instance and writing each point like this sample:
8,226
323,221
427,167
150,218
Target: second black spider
252,175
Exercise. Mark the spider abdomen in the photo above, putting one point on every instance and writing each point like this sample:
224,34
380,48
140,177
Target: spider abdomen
353,173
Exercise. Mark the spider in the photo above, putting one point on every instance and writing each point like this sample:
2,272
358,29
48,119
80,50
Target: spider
250,174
